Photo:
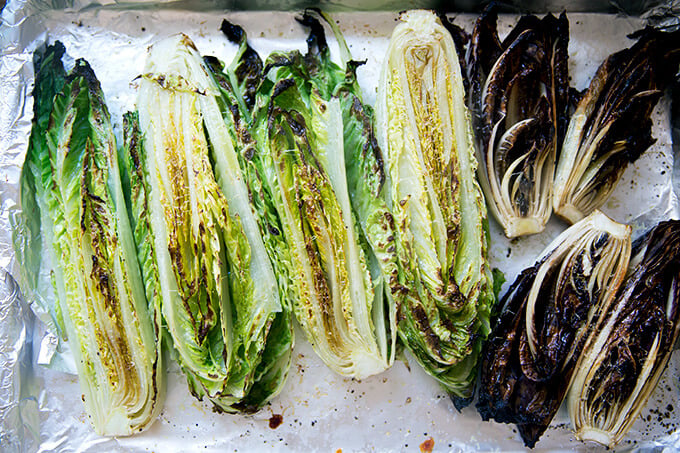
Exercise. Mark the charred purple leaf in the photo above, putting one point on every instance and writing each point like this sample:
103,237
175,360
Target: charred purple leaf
623,361
612,124
544,323
519,99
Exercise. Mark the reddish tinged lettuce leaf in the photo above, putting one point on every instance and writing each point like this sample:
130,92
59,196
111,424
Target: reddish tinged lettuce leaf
612,124
624,359
545,320
519,93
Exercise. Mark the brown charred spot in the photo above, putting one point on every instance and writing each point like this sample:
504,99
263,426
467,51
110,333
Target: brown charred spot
249,153
244,134
273,230
233,32
277,60
450,326
235,113
202,332
423,323
316,41
188,42
275,421
281,86
352,66
309,247
356,109
296,128
455,298
599,243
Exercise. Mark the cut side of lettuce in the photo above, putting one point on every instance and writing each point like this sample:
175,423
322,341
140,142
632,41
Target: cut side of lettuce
219,294
628,352
545,320
71,185
423,128
519,102
612,125
317,152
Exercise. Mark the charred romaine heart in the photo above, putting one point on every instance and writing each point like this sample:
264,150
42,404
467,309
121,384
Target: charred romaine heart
319,164
611,126
75,228
423,128
622,363
229,321
519,92
545,319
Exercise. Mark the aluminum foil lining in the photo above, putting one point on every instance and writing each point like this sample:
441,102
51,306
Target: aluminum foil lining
400,410
19,422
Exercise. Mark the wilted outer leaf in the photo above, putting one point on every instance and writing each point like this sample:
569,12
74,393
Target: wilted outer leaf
611,126
423,127
519,98
71,182
629,350
32,231
545,319
218,290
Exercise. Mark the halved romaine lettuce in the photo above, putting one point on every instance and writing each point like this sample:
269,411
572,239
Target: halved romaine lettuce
238,86
423,128
219,294
73,197
322,169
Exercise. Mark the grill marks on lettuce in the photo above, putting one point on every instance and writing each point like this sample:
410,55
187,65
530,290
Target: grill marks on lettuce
234,82
628,352
324,171
220,297
438,208
72,186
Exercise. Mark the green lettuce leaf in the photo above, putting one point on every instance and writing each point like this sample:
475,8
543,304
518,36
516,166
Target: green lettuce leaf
316,148
71,182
